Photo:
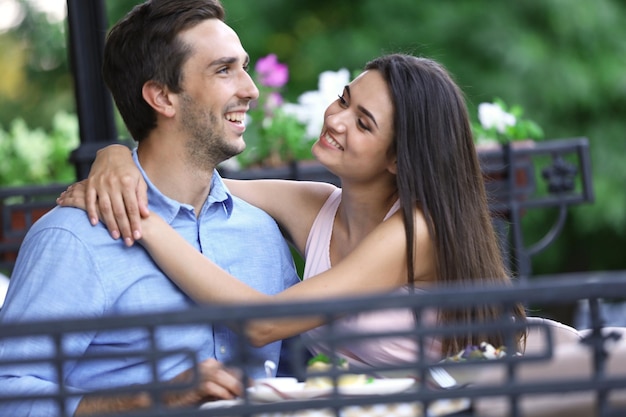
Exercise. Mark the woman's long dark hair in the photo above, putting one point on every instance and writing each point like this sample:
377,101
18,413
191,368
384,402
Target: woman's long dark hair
439,172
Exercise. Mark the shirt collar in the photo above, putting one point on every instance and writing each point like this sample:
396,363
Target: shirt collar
169,208
219,194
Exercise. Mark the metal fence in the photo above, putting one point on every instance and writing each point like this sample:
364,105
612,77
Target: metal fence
501,384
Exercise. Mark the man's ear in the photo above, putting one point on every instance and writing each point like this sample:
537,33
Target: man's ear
159,98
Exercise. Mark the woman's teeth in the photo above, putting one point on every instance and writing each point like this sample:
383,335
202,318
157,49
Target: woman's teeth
333,142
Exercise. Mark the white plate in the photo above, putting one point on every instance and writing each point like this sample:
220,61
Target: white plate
379,387
475,371
294,392
299,391
439,408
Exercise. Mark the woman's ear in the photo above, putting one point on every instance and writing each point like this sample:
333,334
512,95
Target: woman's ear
392,167
159,98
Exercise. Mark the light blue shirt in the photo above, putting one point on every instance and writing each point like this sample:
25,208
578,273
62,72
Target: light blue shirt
67,268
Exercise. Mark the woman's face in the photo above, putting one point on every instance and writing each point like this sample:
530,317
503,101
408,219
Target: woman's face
358,131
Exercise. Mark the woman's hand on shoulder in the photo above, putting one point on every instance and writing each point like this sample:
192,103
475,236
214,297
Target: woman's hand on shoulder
75,196
115,193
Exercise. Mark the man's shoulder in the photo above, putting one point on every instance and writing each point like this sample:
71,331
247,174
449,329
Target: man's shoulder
67,220
63,217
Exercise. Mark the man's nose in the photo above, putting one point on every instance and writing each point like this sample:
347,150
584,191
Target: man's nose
248,88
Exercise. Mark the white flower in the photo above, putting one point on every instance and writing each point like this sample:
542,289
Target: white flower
492,115
312,104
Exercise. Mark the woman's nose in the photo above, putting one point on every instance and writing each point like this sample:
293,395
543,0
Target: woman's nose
336,121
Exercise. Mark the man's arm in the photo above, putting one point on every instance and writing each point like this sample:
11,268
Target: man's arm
215,382
44,286
94,404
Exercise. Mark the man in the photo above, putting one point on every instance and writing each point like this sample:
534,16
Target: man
178,75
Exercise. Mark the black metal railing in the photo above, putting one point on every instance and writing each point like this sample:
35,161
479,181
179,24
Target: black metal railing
525,176
20,207
497,383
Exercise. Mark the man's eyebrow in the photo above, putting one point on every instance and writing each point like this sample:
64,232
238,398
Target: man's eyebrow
229,60
361,108
223,61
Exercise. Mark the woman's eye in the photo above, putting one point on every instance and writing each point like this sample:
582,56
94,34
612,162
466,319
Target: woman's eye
342,101
363,125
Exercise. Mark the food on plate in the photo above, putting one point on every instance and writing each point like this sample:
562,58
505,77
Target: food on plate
322,363
484,351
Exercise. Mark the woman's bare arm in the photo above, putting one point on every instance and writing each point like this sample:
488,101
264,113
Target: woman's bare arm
377,265
116,193
293,204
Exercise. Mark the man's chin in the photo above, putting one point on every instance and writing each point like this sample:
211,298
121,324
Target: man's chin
233,151
239,146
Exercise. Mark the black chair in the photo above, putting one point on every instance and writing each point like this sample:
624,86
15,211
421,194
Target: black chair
20,207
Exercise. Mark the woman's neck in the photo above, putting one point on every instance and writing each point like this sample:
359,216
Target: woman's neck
360,210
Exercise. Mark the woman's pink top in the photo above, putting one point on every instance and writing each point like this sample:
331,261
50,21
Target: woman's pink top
370,351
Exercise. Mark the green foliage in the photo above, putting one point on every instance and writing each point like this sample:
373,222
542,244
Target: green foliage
32,156
291,131
38,48
275,140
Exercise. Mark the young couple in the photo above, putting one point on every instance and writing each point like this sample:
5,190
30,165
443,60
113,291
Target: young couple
411,212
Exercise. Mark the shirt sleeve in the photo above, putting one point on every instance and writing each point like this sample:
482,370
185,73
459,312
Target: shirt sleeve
54,278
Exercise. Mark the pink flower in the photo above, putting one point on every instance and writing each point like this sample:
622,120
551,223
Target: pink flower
274,101
271,72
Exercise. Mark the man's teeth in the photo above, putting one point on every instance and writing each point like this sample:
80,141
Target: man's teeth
236,117
333,142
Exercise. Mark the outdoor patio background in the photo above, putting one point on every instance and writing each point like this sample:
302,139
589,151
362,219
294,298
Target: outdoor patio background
563,61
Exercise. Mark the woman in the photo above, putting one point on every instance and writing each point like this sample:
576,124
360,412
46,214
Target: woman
411,212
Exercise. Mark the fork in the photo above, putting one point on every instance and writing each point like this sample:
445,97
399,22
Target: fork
443,378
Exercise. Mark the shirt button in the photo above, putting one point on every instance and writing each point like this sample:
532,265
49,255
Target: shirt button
222,349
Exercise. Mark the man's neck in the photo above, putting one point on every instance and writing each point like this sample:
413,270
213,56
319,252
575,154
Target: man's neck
174,177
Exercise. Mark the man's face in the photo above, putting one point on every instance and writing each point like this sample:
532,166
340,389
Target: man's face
217,91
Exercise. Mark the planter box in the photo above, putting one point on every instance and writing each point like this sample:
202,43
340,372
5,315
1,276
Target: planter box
508,178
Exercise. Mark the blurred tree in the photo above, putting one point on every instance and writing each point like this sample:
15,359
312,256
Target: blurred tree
36,81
